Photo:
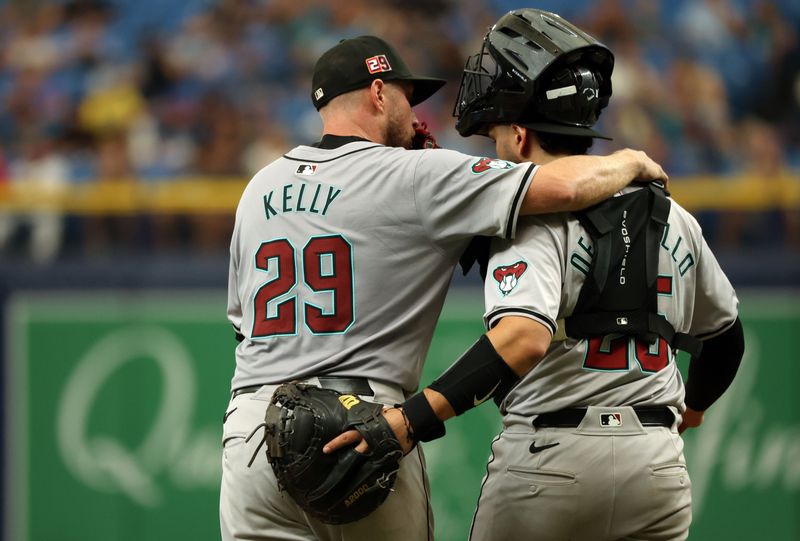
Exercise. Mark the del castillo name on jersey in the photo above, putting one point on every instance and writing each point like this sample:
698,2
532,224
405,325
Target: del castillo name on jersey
581,258
300,197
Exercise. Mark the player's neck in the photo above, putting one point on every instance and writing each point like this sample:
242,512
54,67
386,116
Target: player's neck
349,122
538,155
349,129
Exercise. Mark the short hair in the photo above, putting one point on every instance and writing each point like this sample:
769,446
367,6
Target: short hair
556,143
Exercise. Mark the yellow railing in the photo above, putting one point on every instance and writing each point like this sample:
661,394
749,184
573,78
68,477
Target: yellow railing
221,195
127,196
747,193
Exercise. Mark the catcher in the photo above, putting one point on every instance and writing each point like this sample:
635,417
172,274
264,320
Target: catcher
590,448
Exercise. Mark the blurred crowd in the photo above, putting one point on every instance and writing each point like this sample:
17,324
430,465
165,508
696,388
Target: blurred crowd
108,90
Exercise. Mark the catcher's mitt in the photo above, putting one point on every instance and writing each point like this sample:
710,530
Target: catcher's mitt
340,487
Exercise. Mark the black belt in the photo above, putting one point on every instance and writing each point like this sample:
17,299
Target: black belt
343,385
572,417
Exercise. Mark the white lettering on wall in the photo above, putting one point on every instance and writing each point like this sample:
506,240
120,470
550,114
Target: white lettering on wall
102,461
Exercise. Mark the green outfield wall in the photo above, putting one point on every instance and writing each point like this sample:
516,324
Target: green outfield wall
114,404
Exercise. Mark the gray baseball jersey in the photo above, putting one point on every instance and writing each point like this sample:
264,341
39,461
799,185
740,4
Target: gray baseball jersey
540,276
341,258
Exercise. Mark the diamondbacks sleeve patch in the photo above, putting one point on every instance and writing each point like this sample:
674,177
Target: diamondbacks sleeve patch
485,164
507,276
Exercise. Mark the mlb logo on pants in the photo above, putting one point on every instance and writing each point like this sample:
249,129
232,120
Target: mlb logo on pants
610,419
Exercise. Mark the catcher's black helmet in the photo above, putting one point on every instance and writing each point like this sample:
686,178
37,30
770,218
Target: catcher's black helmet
539,70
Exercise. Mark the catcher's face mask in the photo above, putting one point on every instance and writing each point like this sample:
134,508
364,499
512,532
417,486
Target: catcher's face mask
488,94
520,54
479,72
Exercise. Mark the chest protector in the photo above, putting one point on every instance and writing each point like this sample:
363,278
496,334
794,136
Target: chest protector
620,292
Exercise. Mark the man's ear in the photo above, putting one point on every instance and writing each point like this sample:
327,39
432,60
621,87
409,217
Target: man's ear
522,139
377,94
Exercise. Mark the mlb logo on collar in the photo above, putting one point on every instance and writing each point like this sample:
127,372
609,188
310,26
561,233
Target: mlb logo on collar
610,419
306,169
378,64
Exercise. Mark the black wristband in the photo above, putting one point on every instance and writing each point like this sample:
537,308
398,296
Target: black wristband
425,425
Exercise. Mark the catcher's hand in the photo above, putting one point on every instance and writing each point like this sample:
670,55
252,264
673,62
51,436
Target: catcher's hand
339,487
691,419
398,423
423,138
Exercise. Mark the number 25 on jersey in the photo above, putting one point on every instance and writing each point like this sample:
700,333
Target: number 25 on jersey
326,266
613,353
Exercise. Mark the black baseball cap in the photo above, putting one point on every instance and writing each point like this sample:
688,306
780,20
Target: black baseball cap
356,62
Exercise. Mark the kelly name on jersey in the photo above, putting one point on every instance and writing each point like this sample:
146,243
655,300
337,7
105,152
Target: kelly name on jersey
300,197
